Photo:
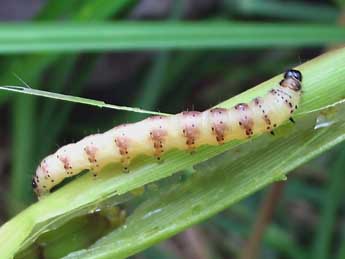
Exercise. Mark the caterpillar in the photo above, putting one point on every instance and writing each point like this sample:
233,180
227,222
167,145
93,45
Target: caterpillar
185,131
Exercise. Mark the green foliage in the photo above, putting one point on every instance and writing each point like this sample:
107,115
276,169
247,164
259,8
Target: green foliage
216,53
246,169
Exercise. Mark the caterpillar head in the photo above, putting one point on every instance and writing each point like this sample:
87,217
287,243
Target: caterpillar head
292,80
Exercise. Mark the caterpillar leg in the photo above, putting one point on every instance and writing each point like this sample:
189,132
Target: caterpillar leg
158,152
272,133
159,159
192,151
292,120
95,169
94,173
125,162
125,165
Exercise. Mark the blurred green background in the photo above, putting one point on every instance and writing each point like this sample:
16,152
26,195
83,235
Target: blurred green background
169,71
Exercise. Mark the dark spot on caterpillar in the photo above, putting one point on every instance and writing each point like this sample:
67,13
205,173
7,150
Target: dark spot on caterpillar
122,144
249,132
240,123
191,113
241,107
190,127
91,152
65,161
220,127
247,122
157,138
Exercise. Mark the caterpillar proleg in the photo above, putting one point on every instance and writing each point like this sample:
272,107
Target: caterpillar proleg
158,134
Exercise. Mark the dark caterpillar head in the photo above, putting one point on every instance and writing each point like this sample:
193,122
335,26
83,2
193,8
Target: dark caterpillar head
292,79
291,73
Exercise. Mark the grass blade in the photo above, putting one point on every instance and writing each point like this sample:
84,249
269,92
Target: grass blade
95,37
75,99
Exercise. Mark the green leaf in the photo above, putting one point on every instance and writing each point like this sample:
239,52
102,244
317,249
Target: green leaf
74,99
284,10
216,184
333,200
49,37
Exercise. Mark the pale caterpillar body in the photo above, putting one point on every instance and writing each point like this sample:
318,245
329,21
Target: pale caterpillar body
158,134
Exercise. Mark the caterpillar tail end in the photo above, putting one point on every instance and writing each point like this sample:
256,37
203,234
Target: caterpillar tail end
40,193
41,182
